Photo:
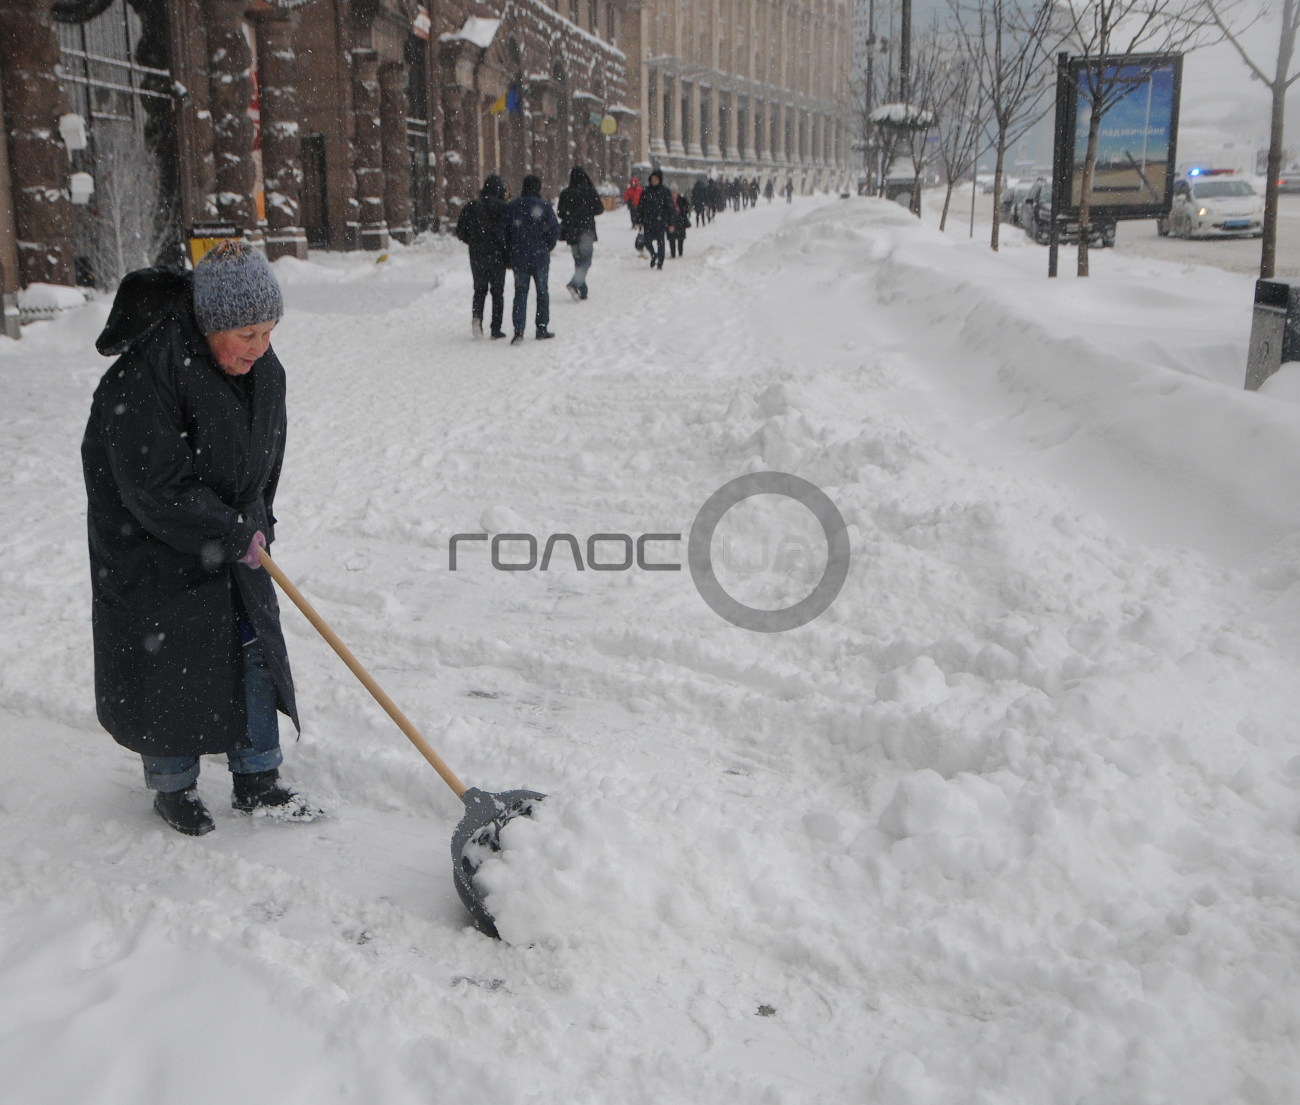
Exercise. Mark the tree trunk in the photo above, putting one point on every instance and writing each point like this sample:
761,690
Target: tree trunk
997,188
1268,246
947,200
1085,190
1285,51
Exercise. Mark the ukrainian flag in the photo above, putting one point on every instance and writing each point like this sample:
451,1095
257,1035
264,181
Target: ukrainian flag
507,101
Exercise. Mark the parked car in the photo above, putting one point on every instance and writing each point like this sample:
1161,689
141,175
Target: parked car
1289,180
1216,206
1012,195
1035,218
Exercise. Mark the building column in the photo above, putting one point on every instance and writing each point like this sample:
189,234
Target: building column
778,134
751,128
230,91
367,157
34,100
711,141
732,138
395,157
655,111
672,110
695,140
281,164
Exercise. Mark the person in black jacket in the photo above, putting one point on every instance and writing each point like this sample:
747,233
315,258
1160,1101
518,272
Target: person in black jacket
658,215
529,232
181,458
578,206
479,227
677,235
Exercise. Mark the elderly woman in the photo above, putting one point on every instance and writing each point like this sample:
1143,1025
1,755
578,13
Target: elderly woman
181,457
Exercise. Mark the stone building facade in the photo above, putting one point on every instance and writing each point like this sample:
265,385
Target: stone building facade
348,124
756,88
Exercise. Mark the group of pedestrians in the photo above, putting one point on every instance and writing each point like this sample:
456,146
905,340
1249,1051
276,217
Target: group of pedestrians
520,235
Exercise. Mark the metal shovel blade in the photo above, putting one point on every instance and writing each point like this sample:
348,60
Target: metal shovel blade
479,835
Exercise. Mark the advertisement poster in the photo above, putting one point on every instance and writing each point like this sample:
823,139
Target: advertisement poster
1138,98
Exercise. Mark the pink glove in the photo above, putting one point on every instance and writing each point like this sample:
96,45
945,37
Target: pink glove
252,558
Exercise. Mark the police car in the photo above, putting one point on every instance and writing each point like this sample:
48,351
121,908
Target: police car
1214,203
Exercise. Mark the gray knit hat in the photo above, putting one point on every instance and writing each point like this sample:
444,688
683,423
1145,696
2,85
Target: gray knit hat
234,287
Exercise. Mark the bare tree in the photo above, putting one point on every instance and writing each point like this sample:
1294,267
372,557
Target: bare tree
923,94
961,122
1009,44
1102,29
127,225
1225,16
869,89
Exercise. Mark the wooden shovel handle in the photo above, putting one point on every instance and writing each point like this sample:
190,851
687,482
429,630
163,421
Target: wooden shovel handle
345,654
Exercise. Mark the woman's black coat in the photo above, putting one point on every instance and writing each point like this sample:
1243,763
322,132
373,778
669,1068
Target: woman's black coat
578,207
181,462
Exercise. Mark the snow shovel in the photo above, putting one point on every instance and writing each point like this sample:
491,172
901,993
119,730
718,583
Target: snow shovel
479,833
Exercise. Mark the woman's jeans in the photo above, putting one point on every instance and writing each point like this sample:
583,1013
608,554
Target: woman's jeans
173,773
583,251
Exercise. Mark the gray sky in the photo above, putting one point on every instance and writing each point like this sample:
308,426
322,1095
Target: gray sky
1221,102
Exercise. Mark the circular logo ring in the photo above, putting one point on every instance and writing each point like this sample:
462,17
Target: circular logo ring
699,551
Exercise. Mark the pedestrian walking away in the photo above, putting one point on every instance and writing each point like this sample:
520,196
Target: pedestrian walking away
529,232
768,189
632,198
677,236
479,227
658,216
578,207
181,458
789,190
699,199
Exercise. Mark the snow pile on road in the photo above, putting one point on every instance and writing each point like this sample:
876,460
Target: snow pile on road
1013,820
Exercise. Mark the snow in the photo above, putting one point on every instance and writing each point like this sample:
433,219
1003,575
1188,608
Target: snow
476,30
1013,821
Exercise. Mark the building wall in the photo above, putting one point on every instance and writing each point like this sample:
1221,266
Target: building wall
756,86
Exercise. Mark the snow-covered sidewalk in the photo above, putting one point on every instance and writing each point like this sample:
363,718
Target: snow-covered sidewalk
1013,821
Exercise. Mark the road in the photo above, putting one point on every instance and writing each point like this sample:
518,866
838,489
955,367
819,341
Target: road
1140,238
1233,254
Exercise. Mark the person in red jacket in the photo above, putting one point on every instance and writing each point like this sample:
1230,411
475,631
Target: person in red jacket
632,197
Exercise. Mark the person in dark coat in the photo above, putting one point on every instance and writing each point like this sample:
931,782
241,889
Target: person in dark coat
677,235
479,227
699,199
181,458
529,232
578,207
658,215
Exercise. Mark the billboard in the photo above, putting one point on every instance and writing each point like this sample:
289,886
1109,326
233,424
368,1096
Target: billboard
1137,97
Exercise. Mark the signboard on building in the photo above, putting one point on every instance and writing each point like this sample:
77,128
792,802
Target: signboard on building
1137,98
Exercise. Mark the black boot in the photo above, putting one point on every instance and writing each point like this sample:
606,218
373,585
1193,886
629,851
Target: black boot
544,334
260,792
184,811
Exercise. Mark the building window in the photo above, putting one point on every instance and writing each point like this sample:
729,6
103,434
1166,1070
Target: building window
611,26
